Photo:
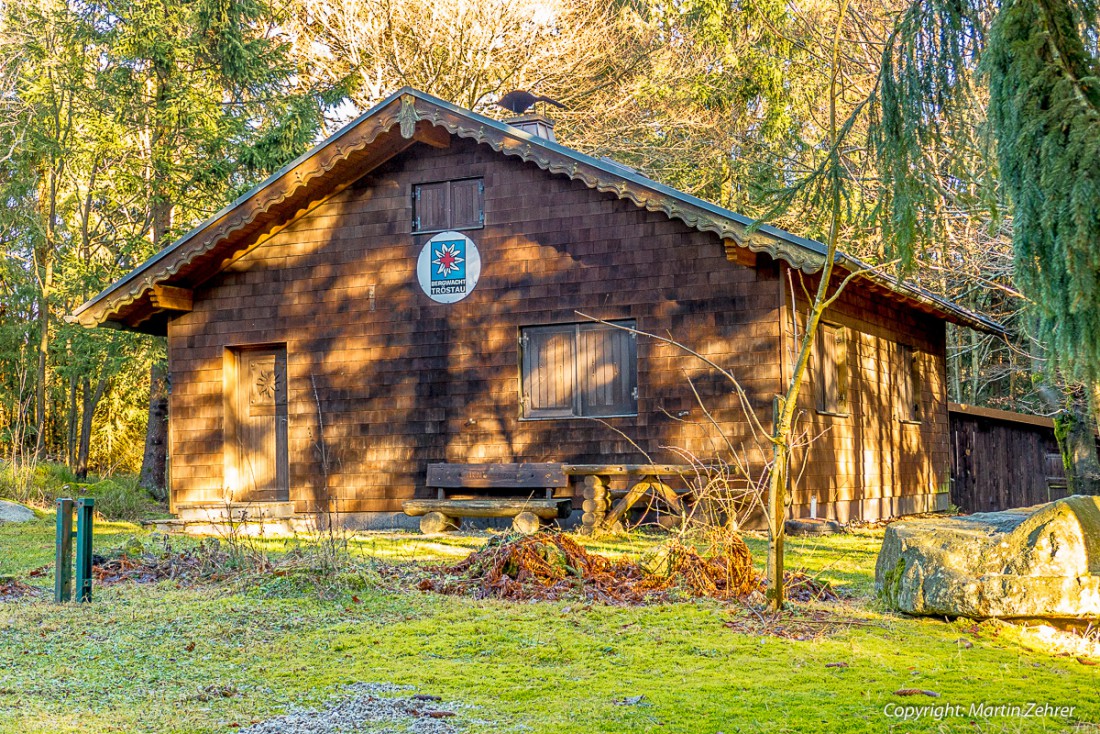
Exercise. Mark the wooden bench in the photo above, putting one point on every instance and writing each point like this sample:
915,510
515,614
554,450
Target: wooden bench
528,513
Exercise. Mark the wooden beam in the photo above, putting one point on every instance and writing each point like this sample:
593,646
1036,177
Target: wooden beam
739,254
682,470
1001,415
171,298
432,135
546,509
496,476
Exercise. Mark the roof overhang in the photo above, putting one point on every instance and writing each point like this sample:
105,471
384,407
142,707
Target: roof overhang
159,288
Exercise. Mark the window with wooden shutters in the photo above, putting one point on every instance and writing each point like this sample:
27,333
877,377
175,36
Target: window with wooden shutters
832,369
579,370
448,205
908,385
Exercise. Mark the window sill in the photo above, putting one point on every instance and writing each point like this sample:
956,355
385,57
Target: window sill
470,228
909,422
526,418
834,414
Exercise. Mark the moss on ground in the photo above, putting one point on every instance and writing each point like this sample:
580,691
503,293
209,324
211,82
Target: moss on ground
165,659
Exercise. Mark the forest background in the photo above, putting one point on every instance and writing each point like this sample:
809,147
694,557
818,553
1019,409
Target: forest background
125,123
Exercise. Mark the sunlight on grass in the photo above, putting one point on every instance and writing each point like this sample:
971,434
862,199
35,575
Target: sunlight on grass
143,658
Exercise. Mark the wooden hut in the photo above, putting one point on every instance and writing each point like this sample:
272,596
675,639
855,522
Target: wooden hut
1001,459
420,288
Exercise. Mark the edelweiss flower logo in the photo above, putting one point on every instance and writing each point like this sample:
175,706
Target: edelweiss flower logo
447,258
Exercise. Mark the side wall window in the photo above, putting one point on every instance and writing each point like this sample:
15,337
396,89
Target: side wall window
449,205
578,370
832,370
909,383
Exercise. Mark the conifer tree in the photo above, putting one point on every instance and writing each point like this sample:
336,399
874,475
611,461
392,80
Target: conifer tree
212,92
1036,64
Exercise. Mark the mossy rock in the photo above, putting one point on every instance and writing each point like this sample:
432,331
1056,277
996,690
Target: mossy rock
1041,562
15,512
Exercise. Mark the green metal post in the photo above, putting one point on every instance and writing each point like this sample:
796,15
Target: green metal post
84,509
63,546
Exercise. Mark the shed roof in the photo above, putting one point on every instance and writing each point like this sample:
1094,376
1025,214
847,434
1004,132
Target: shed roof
409,116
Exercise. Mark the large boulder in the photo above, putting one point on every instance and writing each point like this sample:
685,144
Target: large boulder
1041,561
14,512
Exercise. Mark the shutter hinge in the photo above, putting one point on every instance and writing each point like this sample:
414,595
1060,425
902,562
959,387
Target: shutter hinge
634,392
523,340
481,187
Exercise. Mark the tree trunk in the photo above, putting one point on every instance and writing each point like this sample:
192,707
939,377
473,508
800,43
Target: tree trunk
43,351
155,461
777,520
70,443
91,402
1077,442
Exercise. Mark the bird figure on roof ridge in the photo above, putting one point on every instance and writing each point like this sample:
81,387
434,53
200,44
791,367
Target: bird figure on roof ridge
519,101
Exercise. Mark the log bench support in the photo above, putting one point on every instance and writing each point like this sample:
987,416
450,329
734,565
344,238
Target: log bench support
602,515
440,516
597,501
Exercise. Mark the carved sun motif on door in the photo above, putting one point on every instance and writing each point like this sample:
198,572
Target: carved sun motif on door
265,383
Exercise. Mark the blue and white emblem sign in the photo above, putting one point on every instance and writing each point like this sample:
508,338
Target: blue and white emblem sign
449,267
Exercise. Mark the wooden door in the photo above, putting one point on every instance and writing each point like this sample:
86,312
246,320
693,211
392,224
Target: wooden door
261,423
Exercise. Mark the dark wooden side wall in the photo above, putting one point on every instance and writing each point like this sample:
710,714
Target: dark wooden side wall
1001,460
400,381
867,462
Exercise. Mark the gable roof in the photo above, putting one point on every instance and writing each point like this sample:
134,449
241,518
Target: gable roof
137,300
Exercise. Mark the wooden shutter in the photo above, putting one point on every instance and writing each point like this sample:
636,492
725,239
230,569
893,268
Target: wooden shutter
608,370
842,373
914,386
832,369
467,199
907,385
430,207
549,371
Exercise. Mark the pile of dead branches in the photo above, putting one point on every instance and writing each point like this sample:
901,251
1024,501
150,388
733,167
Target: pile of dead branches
802,588
551,566
146,569
209,561
12,589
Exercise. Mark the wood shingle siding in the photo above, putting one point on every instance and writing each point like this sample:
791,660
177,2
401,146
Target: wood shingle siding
413,382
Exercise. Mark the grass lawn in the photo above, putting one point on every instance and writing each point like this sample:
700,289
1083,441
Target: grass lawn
157,658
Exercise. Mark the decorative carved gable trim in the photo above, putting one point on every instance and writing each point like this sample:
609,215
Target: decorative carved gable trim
408,110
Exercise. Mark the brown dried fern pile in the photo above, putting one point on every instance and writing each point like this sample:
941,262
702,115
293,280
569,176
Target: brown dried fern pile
551,566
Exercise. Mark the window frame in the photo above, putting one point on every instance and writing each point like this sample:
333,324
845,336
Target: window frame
578,387
842,378
449,185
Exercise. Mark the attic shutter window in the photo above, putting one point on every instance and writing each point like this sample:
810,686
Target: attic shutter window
909,385
466,204
832,360
579,370
448,205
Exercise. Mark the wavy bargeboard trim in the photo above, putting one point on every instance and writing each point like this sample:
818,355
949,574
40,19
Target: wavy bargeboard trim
259,212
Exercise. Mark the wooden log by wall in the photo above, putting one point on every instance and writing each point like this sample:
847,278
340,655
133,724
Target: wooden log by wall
1001,460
